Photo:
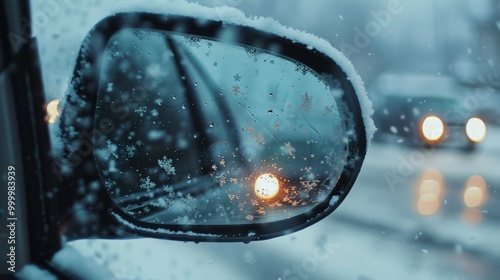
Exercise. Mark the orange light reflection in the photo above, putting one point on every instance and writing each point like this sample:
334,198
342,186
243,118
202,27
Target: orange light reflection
475,192
430,189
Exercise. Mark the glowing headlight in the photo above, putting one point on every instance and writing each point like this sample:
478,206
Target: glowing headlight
432,128
267,186
475,129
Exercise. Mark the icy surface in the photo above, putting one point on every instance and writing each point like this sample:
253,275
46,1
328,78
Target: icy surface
33,272
70,261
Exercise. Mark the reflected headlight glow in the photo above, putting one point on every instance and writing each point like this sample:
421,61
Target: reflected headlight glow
267,186
475,129
475,193
433,128
52,111
428,204
430,190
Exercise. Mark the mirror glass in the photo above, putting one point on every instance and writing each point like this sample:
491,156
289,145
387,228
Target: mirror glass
201,132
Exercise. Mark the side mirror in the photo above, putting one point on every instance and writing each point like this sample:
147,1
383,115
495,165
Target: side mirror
202,130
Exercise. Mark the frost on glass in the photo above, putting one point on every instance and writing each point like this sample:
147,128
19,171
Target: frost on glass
203,132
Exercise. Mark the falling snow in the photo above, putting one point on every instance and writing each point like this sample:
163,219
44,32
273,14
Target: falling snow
109,87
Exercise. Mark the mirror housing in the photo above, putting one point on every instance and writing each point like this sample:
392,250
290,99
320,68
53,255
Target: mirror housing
96,132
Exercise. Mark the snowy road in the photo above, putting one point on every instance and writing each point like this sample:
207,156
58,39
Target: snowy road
379,232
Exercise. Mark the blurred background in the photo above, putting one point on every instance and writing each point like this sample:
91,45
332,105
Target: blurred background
425,206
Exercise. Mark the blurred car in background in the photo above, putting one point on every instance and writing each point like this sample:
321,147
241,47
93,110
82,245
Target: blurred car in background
424,110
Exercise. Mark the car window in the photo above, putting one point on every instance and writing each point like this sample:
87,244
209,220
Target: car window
425,205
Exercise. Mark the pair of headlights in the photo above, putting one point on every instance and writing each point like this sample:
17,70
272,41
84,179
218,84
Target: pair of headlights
433,129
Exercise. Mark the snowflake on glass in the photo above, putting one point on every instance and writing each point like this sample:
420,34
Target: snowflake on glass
254,53
166,164
299,67
328,109
220,178
109,183
168,189
289,149
189,203
154,112
141,110
147,184
130,150
162,202
259,138
237,78
236,89
105,173
261,211
309,185
193,41
71,132
110,150
139,143
183,220
306,102
146,209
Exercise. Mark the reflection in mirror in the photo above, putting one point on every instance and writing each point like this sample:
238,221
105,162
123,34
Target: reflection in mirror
208,133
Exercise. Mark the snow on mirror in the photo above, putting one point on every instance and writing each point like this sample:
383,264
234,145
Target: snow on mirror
209,133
